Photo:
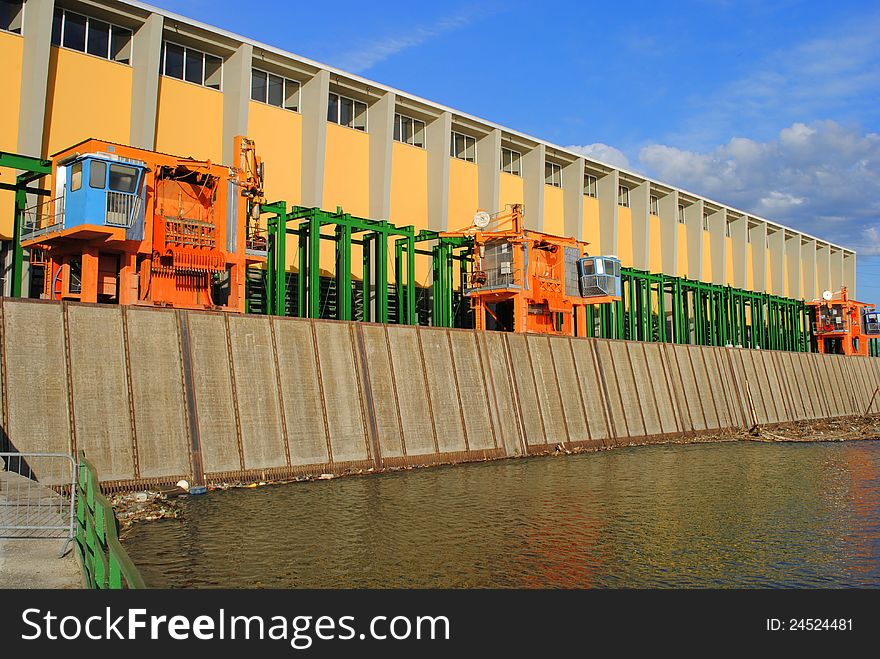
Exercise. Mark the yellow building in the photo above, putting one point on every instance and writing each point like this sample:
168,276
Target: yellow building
130,73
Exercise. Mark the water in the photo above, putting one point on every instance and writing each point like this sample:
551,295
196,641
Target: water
712,515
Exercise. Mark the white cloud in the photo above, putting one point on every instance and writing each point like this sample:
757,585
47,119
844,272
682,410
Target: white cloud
603,153
822,178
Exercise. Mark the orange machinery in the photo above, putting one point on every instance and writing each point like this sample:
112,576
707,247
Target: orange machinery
843,326
131,226
527,281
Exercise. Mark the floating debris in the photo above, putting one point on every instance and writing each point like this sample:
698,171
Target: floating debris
149,506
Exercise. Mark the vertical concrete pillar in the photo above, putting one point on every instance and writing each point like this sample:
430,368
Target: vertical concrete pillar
437,136
739,238
640,207
823,269
607,191
693,220
314,94
573,198
776,254
758,240
669,233
489,171
381,142
37,33
533,187
849,273
808,270
837,278
718,245
145,62
236,96
793,264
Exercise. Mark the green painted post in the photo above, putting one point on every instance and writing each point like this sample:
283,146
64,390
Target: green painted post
381,241
17,251
411,316
398,281
343,271
303,275
367,279
269,293
280,262
314,273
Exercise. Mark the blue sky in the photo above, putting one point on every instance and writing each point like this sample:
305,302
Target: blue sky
772,107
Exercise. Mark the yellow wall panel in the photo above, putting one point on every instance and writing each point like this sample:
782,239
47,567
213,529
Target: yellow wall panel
728,261
554,211
347,171
624,237
189,120
463,193
86,97
655,253
682,250
10,82
409,186
591,224
707,257
510,192
278,135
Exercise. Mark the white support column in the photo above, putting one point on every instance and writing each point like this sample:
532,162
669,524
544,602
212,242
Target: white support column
533,187
489,171
776,254
147,46
823,269
236,97
837,278
793,264
669,233
640,208
849,273
437,136
573,198
718,245
607,191
693,220
758,240
315,94
37,33
381,141
808,270
739,238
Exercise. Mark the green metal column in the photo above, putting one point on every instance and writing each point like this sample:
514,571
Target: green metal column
314,272
411,316
302,276
381,255
17,251
343,272
367,246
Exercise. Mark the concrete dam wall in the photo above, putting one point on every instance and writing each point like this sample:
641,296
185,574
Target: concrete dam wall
156,395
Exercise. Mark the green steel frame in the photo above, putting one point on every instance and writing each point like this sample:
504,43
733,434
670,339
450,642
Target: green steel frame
30,170
374,237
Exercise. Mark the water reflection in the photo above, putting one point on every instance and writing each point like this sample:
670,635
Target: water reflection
723,515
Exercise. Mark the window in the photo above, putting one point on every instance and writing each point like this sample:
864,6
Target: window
681,213
655,205
510,161
347,112
591,185
274,90
11,12
463,147
76,176
705,221
97,174
191,65
553,174
727,229
623,196
123,178
409,131
88,35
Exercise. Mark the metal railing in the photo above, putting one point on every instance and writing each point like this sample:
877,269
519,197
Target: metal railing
37,492
105,563
121,208
42,218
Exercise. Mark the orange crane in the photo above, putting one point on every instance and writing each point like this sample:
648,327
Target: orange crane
522,280
132,226
843,326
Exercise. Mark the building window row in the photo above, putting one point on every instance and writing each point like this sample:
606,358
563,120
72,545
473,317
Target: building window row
191,65
511,161
681,213
655,206
553,174
11,14
463,147
90,35
705,221
347,112
591,185
623,196
409,131
274,90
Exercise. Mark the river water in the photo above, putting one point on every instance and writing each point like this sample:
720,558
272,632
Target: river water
709,515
